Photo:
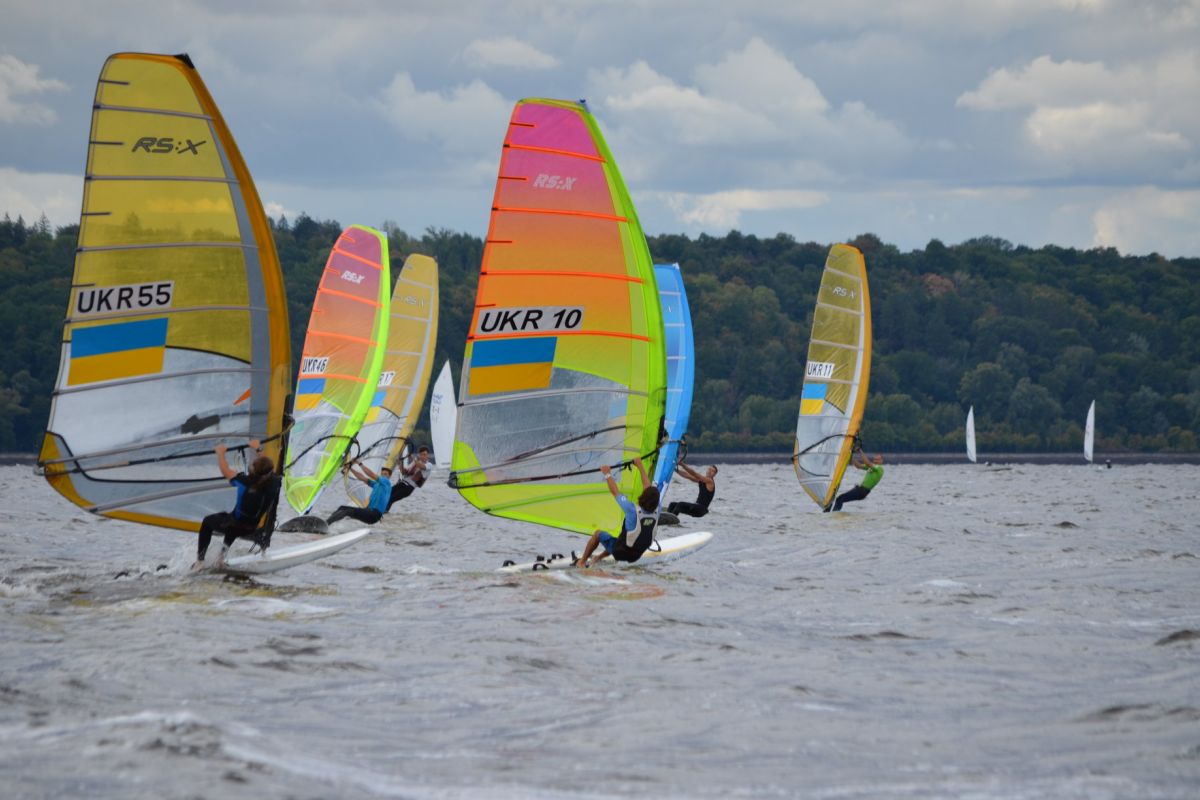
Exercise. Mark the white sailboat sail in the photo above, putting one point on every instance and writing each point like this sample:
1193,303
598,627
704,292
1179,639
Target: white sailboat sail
1089,432
971,434
443,413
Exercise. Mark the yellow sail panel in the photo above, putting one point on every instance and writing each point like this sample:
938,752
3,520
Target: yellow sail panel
176,333
404,376
836,374
339,368
565,365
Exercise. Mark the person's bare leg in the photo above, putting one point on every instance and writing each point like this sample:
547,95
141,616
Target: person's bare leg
587,551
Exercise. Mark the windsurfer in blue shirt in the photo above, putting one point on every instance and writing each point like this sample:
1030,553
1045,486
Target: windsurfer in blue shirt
377,504
256,491
637,529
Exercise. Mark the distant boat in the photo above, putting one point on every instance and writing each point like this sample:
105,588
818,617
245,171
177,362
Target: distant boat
1089,432
834,393
971,434
443,413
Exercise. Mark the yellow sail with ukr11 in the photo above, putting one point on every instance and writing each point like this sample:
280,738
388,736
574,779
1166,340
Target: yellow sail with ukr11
836,374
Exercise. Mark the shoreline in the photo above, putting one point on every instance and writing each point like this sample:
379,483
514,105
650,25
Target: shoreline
960,458
30,459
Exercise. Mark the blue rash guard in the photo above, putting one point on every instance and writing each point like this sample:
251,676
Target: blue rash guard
381,493
630,522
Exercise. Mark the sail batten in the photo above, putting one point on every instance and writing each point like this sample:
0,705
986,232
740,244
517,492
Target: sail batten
837,371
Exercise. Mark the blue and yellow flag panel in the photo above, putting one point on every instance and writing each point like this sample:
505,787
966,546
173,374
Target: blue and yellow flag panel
512,365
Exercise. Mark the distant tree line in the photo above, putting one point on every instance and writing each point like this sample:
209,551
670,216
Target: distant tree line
1028,336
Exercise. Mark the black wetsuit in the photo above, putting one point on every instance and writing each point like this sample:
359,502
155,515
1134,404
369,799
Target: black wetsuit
242,522
623,551
698,508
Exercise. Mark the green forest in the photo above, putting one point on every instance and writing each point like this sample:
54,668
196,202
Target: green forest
1028,336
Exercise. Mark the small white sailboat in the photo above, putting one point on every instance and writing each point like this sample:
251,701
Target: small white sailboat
443,414
1089,433
971,434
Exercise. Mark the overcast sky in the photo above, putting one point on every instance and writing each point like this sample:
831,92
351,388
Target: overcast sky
1070,122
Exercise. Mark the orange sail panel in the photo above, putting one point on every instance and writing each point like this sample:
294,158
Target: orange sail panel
341,361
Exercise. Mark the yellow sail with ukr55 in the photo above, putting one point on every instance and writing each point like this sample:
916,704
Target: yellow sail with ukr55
836,374
176,334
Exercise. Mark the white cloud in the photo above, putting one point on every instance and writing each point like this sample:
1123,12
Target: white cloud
724,209
466,118
505,51
750,97
18,78
1147,220
1088,116
1042,82
31,194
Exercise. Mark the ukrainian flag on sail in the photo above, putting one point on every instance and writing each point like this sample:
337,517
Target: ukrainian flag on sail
121,350
376,404
512,365
308,393
812,399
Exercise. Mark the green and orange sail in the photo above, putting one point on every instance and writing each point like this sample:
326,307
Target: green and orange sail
340,364
565,365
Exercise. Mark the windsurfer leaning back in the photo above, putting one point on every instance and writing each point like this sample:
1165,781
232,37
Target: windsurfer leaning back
873,468
708,489
637,529
256,491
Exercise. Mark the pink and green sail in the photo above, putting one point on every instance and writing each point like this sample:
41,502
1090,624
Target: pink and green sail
340,366
565,366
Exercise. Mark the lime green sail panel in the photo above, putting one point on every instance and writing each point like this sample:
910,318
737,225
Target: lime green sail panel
834,394
565,364
340,365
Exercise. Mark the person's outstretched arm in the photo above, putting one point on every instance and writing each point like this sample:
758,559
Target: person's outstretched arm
637,462
227,472
609,480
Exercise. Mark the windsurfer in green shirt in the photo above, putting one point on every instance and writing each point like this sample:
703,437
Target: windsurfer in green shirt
874,470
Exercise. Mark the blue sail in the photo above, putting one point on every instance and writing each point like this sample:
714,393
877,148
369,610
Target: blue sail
681,368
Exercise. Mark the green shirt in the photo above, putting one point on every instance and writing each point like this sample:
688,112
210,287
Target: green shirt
874,473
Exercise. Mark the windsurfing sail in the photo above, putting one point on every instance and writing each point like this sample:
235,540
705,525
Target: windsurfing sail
176,336
565,363
834,394
1089,432
404,376
340,363
681,369
443,413
971,434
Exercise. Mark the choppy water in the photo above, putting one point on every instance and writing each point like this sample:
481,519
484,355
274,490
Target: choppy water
1025,633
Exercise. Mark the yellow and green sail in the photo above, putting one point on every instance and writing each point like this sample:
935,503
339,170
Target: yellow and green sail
176,336
834,394
565,363
340,364
404,377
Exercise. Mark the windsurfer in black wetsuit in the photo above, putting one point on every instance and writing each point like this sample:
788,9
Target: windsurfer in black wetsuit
412,476
708,489
637,527
256,491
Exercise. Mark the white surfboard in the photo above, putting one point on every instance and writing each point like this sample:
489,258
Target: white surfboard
277,558
661,552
